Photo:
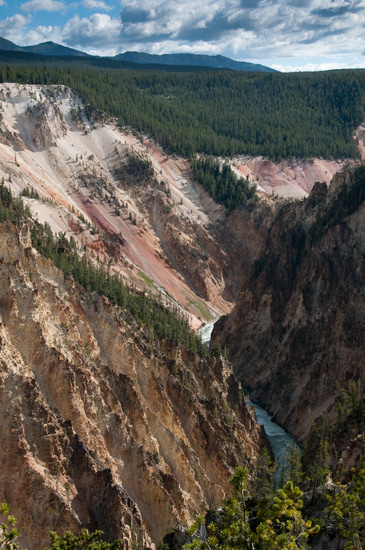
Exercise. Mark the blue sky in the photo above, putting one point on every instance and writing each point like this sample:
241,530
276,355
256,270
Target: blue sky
283,34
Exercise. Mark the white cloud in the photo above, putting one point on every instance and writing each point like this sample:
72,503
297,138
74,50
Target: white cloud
244,29
2,3
45,5
313,66
97,5
186,22
13,27
43,34
99,31
251,30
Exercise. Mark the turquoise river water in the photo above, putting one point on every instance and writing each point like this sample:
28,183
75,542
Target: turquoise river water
279,439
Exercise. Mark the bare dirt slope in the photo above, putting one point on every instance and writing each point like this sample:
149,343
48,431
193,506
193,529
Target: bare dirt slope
293,179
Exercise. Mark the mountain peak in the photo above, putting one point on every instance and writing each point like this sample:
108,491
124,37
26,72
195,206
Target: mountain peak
50,48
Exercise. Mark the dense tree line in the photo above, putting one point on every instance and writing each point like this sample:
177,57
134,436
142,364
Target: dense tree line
11,208
278,519
222,113
222,183
248,522
160,321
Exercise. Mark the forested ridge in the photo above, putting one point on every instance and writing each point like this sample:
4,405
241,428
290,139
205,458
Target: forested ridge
222,113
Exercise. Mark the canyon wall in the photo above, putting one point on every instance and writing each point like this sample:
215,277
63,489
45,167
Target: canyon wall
296,334
103,426
116,194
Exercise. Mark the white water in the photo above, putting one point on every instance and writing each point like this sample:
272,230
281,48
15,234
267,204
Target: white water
280,440
206,332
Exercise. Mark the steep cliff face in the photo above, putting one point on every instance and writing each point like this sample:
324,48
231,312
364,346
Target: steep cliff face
103,427
243,237
296,335
192,247
45,125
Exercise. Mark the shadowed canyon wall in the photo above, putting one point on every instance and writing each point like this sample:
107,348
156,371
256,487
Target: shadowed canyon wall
296,335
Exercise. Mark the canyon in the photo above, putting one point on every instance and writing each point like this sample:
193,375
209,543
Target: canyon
103,425
296,334
158,228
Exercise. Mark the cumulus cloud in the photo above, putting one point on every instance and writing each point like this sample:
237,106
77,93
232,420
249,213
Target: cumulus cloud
311,67
247,29
45,5
98,32
338,11
96,4
43,34
244,29
153,20
2,3
13,27
252,30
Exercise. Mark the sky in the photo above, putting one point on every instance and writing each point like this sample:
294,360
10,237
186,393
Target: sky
288,35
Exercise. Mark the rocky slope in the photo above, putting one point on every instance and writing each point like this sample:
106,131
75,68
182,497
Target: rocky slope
290,179
161,230
296,335
48,144
103,427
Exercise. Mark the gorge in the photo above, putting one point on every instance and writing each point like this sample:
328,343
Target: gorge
281,442
108,425
297,330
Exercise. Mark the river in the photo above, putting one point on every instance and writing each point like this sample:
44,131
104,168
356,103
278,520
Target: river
206,332
280,440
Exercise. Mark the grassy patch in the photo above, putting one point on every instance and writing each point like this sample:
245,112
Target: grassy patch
145,279
200,306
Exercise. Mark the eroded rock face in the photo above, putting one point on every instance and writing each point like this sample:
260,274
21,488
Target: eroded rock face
296,335
45,118
102,427
163,227
190,246
154,223
243,237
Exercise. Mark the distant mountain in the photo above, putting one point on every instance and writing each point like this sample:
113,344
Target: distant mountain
11,57
178,59
50,48
8,46
206,62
